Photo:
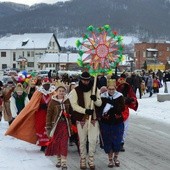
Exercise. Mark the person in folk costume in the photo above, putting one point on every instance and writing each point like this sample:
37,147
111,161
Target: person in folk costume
80,99
111,122
74,136
30,124
6,94
31,87
58,126
130,103
0,103
40,115
18,101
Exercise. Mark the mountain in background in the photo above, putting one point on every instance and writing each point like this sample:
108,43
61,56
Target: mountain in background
146,19
10,8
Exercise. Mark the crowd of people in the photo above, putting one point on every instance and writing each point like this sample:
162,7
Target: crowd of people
51,113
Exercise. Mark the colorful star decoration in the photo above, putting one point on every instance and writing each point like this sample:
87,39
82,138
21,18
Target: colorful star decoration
103,48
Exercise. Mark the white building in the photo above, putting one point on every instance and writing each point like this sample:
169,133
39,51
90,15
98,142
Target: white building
60,61
24,50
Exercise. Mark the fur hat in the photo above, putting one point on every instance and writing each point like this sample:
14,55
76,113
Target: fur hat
85,76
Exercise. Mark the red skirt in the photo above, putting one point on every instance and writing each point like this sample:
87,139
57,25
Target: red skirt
59,142
40,123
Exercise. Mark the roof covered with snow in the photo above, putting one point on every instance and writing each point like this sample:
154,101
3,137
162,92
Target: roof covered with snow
26,41
60,57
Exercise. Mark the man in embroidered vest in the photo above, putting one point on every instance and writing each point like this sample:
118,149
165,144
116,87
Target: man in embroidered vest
80,99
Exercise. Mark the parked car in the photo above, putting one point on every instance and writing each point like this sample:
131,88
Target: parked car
44,73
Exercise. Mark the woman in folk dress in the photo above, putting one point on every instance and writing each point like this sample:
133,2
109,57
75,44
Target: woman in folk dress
111,122
58,121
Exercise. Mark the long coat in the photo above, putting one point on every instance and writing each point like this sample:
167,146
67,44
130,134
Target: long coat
55,111
23,127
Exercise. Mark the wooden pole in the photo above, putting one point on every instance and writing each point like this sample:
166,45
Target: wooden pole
92,102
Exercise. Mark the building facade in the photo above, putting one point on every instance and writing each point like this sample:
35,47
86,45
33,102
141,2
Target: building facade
22,51
154,55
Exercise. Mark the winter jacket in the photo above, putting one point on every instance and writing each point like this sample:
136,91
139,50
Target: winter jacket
15,110
112,108
58,111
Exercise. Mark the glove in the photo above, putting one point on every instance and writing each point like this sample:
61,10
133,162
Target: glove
93,97
129,100
89,111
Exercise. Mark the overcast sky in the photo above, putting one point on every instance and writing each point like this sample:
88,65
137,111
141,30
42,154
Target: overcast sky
31,2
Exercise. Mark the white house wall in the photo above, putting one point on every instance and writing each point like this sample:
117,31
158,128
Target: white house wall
5,60
53,46
38,43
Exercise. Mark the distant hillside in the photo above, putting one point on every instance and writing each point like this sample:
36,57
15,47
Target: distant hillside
142,18
10,8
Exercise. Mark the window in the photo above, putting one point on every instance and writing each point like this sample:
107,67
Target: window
32,53
30,64
14,65
23,53
3,54
134,54
28,53
14,56
149,54
4,66
168,48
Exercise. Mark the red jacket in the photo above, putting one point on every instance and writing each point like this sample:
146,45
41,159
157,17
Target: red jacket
127,91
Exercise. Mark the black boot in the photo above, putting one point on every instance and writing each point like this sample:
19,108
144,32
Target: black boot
122,148
43,148
150,94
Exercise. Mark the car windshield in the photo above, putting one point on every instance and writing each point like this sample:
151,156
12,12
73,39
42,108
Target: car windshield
43,72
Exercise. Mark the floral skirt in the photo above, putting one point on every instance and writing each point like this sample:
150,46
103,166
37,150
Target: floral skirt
58,144
112,136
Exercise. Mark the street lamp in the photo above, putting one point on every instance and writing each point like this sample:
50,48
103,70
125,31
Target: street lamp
155,57
58,61
34,53
68,52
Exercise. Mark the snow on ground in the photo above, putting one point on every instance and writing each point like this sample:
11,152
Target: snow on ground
149,107
19,155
